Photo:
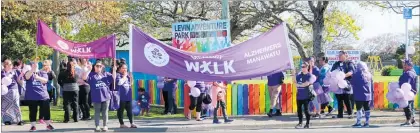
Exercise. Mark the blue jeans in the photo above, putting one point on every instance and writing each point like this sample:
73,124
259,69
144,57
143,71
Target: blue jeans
409,110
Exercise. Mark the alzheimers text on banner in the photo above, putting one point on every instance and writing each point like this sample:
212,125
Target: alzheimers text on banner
101,48
263,55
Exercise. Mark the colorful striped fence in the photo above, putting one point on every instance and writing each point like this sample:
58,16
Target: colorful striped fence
254,99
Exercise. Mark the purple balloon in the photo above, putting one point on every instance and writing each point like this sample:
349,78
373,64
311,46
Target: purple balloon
393,86
160,84
399,94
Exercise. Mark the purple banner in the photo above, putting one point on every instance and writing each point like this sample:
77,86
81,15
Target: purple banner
101,48
263,55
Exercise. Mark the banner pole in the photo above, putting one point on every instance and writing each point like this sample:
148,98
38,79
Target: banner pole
130,43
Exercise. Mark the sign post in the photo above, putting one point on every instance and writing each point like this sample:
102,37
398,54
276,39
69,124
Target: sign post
407,15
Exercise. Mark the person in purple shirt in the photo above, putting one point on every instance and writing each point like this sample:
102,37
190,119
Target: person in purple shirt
36,95
124,87
10,108
168,92
344,94
274,87
324,99
100,82
314,70
143,101
361,82
302,95
196,102
409,76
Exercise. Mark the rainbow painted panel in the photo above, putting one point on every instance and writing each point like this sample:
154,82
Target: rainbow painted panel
385,105
229,99
235,101
267,99
241,99
245,95
262,98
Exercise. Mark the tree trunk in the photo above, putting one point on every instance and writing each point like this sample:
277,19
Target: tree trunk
317,29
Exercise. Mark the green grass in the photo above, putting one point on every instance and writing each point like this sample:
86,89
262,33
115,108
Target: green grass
57,113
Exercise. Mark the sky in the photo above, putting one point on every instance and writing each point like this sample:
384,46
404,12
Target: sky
375,22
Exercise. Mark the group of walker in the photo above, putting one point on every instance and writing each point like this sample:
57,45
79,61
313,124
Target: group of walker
85,78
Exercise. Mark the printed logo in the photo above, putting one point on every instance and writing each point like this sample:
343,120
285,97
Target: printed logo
156,55
63,45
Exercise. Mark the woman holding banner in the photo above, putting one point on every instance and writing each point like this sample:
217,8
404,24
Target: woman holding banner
10,108
123,82
100,82
37,95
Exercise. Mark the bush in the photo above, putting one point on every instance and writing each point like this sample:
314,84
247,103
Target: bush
387,69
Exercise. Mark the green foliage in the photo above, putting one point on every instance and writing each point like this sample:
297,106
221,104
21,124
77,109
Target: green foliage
386,70
20,44
337,20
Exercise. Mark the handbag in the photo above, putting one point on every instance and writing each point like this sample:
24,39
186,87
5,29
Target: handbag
207,99
114,103
311,93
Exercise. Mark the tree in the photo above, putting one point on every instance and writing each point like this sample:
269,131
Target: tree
382,44
395,6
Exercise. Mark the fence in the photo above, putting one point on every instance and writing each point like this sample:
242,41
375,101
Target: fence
254,99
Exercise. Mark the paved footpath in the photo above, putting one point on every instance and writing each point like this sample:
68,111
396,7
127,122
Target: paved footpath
241,123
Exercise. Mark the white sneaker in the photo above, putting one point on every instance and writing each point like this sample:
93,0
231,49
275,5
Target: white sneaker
98,129
105,128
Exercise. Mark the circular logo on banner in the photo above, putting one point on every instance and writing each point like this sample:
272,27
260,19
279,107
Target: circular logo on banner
62,45
156,55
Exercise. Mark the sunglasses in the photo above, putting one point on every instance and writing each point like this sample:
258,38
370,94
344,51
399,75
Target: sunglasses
304,66
98,66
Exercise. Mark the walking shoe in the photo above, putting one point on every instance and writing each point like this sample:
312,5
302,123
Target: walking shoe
21,123
65,121
338,116
133,126
413,122
278,114
33,129
199,119
406,124
350,116
269,115
330,111
298,126
97,129
306,126
8,123
123,126
41,121
366,125
357,125
105,129
228,121
216,122
50,127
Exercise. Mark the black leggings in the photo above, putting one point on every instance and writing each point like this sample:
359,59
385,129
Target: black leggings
409,111
196,102
346,99
44,109
364,104
83,100
324,105
127,106
70,99
305,104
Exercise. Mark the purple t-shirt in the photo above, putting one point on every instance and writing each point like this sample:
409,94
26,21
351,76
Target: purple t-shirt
14,75
409,77
35,90
317,73
362,90
125,88
275,79
302,92
99,86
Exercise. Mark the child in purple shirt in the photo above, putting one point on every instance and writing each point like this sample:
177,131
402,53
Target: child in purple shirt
143,101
